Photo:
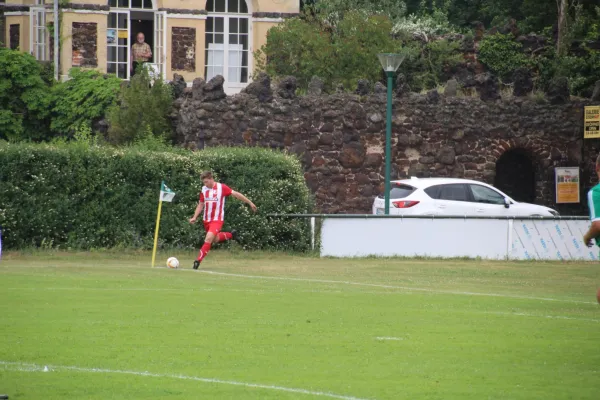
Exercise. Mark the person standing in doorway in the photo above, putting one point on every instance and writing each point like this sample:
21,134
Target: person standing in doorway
592,236
140,53
212,205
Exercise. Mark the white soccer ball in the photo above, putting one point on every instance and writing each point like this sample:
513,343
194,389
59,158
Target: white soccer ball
172,262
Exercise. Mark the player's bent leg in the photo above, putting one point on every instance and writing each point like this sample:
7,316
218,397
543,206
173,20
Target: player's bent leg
208,241
224,236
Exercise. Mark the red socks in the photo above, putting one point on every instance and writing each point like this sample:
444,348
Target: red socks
224,236
204,251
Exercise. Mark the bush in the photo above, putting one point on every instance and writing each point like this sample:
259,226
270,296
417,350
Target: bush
24,97
343,54
82,99
83,196
423,27
334,11
582,72
299,48
142,106
502,55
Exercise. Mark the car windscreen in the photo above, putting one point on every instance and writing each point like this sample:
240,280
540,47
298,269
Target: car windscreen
399,191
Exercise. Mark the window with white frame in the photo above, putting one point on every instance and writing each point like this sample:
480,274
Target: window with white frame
227,41
38,31
143,4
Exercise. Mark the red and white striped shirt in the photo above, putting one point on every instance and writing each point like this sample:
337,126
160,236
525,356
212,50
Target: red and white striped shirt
214,201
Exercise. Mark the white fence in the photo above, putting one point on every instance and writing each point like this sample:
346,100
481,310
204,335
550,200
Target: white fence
488,238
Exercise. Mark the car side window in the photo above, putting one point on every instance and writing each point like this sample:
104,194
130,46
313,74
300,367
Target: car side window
433,191
454,192
482,194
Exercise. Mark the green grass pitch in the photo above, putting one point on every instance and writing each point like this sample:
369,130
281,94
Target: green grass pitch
273,326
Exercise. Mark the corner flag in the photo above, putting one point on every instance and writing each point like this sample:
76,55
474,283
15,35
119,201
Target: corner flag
166,195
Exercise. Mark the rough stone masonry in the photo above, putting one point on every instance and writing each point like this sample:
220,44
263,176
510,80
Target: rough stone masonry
340,138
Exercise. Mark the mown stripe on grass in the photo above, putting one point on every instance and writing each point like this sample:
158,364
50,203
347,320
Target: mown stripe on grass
378,285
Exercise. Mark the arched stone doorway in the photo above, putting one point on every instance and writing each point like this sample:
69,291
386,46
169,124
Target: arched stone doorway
515,175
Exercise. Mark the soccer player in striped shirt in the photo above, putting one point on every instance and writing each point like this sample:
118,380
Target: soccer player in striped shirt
212,202
593,234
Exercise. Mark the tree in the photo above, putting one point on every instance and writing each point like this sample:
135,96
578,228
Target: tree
24,97
143,110
85,97
343,54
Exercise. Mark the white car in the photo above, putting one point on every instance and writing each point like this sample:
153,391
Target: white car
451,196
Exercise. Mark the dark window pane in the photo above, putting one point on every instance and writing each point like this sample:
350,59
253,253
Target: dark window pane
233,25
233,39
112,20
122,71
122,54
233,6
433,191
210,38
124,3
111,68
482,194
210,5
112,53
219,5
123,22
244,41
456,192
243,25
244,58
244,75
243,7
122,42
399,191
210,21
113,3
136,3
220,24
219,38
148,4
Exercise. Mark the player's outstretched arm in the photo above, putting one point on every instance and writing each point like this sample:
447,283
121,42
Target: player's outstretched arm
198,211
592,233
243,198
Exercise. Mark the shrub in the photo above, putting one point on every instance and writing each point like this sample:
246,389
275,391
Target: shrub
85,97
334,11
357,41
502,55
142,106
84,196
297,47
344,54
423,27
24,97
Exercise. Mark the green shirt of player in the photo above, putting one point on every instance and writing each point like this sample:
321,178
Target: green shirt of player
594,206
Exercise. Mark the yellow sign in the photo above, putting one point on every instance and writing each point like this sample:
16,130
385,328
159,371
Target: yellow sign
567,184
591,122
123,34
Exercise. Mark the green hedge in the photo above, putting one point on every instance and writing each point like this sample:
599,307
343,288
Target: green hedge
81,196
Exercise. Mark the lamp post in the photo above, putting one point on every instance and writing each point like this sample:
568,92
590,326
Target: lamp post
390,63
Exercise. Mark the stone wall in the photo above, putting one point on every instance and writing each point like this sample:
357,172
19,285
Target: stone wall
183,53
85,38
340,138
14,35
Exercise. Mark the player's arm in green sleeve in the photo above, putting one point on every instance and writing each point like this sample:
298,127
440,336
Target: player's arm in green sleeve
594,231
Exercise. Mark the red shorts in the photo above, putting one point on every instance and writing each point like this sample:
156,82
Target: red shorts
213,226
